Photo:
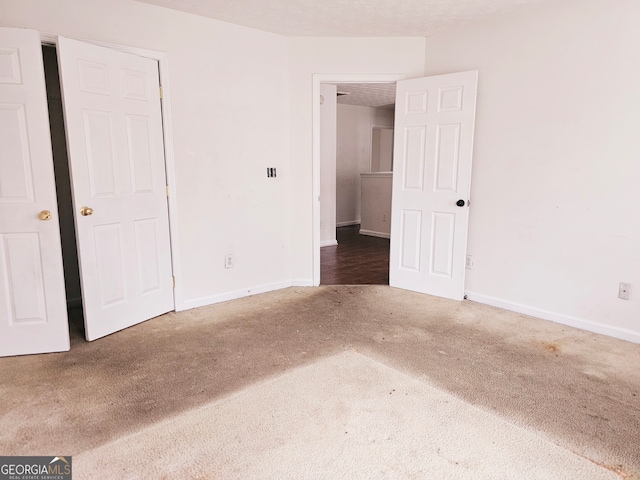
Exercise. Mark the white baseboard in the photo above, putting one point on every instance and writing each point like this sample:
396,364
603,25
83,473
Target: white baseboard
347,224
301,282
328,243
371,233
588,325
224,297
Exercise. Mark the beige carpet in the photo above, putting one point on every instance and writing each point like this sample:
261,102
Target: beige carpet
342,417
578,390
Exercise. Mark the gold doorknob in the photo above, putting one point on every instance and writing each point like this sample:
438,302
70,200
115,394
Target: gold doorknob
44,215
85,211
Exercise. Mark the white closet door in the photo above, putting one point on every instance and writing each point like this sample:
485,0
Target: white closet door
116,155
33,310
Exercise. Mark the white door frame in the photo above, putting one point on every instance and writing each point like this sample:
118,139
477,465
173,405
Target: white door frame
319,78
167,133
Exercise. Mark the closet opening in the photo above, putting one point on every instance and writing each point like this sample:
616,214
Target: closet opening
63,192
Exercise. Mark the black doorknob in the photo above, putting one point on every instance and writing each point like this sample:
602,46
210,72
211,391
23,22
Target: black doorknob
460,203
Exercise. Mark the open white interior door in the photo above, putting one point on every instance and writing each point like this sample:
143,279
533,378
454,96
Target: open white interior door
33,308
116,156
434,128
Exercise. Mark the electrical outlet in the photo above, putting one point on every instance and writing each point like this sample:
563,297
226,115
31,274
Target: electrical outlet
228,261
624,292
469,262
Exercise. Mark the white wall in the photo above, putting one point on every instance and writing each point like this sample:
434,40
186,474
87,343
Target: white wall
382,149
376,190
230,112
241,102
554,221
328,147
354,156
555,215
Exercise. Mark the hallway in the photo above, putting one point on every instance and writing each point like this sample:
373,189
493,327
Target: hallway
356,260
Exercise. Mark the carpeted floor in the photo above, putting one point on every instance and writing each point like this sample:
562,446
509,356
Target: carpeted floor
564,387
342,417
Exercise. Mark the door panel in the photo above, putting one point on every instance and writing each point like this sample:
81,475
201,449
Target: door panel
100,155
410,241
25,292
138,139
447,155
434,128
413,159
116,155
33,310
442,240
147,241
15,170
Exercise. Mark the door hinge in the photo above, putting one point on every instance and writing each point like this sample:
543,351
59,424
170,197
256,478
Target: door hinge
173,281
161,93
167,190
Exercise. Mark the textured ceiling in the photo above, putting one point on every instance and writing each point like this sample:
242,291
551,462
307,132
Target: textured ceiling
352,18
368,94
349,18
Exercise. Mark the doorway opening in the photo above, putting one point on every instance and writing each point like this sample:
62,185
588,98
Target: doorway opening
355,179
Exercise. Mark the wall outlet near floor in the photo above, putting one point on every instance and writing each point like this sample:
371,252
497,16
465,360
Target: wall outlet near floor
624,292
228,261
469,262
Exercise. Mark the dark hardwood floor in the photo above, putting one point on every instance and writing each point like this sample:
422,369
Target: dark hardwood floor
356,260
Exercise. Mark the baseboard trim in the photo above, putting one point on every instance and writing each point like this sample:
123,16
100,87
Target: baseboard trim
588,325
372,233
328,243
348,224
299,282
233,295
